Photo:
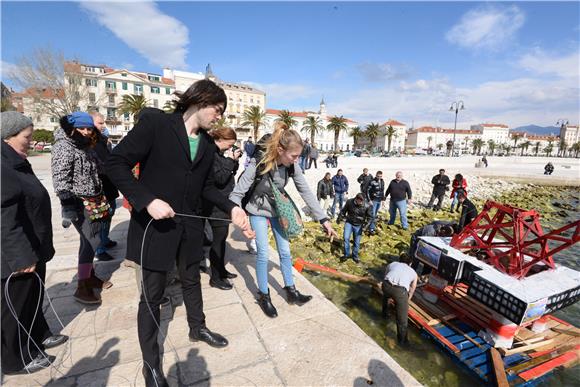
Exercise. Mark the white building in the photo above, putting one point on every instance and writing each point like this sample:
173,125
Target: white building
427,137
240,96
570,134
324,140
499,133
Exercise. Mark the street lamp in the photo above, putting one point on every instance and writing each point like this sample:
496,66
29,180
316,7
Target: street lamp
457,106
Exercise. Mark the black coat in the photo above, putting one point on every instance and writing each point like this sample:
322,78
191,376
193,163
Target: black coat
160,144
103,152
324,189
224,173
354,214
440,184
376,189
468,213
26,215
364,181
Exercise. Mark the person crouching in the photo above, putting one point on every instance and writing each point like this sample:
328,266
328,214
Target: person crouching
357,214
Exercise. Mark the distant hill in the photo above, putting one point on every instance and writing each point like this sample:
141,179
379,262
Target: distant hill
539,130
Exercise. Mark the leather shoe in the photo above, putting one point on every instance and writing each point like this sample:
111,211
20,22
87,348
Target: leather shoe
40,362
110,244
154,377
230,275
222,284
213,339
104,257
54,341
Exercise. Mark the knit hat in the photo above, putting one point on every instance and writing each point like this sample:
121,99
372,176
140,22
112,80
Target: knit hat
81,120
13,123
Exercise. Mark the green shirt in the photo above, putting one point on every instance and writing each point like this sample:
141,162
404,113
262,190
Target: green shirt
193,144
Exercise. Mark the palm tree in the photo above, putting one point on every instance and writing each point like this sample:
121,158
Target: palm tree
372,132
390,132
562,147
132,104
491,145
525,147
429,139
356,133
253,116
477,144
549,149
336,125
537,147
313,126
576,148
220,123
439,146
286,117
516,137
506,148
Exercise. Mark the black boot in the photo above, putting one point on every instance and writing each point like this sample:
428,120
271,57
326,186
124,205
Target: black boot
295,297
402,336
266,304
154,377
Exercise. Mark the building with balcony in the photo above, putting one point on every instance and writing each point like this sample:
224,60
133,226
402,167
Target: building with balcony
428,137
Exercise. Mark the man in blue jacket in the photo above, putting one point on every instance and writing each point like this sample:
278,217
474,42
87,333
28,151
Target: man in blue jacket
340,184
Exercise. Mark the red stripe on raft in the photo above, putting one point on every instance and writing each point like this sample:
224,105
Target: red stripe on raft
548,366
432,330
507,331
557,319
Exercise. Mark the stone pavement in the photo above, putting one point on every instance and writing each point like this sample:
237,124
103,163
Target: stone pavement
312,345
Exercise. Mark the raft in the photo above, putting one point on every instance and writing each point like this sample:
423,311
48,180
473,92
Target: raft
454,322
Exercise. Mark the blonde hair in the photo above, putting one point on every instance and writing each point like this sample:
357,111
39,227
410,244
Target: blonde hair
282,137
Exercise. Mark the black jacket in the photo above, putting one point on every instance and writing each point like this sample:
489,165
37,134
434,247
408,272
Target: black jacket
160,144
103,152
224,172
355,215
468,213
399,190
324,189
364,181
26,215
376,190
440,184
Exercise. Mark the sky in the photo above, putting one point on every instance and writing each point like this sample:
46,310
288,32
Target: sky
515,63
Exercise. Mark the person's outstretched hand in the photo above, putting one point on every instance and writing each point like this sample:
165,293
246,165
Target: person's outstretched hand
329,230
158,209
240,219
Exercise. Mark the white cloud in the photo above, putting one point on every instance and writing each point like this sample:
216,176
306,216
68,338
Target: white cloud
6,69
540,62
162,39
381,72
488,27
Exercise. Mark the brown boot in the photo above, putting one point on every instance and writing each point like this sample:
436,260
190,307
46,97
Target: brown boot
85,293
96,283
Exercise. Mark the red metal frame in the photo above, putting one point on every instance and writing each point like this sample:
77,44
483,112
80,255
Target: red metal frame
513,239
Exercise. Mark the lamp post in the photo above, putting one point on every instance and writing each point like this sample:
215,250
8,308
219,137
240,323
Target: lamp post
457,106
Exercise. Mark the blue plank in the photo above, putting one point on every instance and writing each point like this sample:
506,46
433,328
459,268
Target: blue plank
483,369
444,331
475,351
464,345
458,338
514,359
475,361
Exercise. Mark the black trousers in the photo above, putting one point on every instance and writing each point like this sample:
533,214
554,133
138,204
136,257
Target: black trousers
439,198
148,316
401,298
217,252
315,163
27,295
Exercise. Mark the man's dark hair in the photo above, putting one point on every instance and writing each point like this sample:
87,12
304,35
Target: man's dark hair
461,196
405,258
441,170
379,172
201,94
445,231
340,170
459,177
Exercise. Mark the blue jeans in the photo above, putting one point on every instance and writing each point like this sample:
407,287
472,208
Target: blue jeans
454,201
376,206
338,197
348,230
105,230
401,205
260,226
303,162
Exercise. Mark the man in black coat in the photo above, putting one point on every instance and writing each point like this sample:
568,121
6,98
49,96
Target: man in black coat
103,150
358,214
468,211
364,180
176,157
440,187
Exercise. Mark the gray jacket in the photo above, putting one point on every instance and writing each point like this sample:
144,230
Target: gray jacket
75,171
261,205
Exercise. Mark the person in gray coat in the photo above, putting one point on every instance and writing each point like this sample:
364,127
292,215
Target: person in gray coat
278,163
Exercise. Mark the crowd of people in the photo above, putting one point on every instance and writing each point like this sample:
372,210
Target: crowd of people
186,181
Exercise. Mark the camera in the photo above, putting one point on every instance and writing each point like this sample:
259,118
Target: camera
235,148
